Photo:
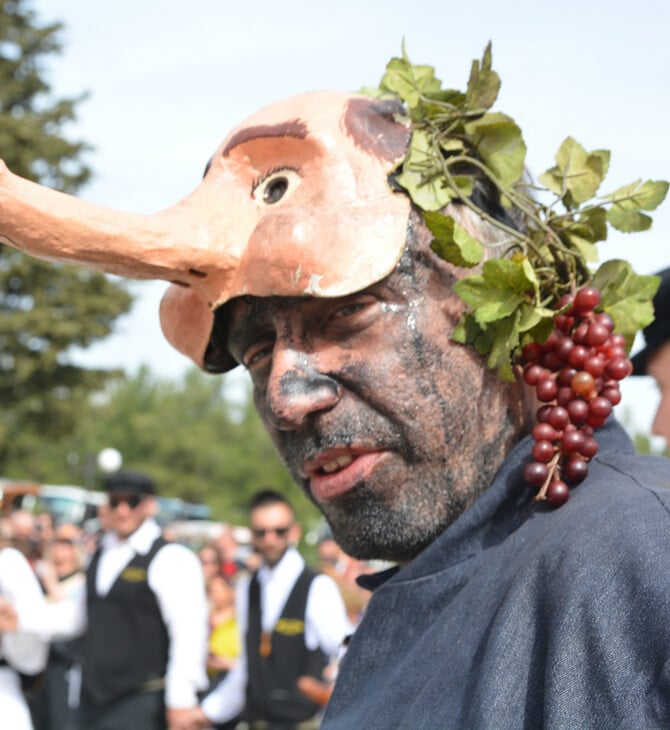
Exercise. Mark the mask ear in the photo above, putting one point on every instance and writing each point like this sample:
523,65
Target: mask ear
186,322
373,127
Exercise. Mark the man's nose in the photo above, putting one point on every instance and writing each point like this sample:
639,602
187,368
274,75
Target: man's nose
298,389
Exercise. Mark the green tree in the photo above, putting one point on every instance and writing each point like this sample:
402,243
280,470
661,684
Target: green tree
45,309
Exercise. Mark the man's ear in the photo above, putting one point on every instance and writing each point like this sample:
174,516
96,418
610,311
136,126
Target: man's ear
294,534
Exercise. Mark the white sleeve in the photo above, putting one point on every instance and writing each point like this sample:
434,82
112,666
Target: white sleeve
25,652
175,577
326,622
54,620
228,698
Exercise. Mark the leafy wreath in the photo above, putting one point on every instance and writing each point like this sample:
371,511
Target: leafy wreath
457,141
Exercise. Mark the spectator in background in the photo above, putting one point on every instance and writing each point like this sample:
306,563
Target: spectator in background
654,358
55,705
229,551
210,560
145,617
344,570
224,637
292,622
25,535
19,652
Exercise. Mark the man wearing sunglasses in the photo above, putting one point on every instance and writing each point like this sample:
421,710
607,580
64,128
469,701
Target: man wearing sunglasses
292,621
143,614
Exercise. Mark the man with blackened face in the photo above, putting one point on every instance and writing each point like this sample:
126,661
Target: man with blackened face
390,427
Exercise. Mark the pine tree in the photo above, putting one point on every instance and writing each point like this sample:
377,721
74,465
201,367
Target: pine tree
45,309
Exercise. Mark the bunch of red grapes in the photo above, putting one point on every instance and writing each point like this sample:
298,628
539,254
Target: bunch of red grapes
576,374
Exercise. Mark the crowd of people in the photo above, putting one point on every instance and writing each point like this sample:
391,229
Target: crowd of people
124,628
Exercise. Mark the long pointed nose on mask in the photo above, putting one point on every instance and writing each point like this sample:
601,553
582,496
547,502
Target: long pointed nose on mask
295,202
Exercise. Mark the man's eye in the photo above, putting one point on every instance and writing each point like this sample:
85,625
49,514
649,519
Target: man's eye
256,354
276,185
348,309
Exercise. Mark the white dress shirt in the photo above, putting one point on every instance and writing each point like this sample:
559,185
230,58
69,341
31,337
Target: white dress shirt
24,652
175,576
326,626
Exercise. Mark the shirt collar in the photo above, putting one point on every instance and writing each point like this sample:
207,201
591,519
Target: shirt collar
140,541
287,569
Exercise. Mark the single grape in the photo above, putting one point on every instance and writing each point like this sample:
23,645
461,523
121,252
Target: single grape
543,450
596,334
578,356
595,365
557,493
535,473
586,299
612,393
566,375
572,442
604,319
543,432
589,448
578,411
575,469
600,407
533,373
546,389
582,383
558,417
619,368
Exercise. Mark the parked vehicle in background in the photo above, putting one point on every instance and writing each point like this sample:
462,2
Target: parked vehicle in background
173,509
65,503
13,492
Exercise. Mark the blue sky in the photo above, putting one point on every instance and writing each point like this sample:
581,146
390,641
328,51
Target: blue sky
167,80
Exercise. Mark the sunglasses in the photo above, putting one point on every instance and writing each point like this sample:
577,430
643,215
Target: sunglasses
260,532
132,500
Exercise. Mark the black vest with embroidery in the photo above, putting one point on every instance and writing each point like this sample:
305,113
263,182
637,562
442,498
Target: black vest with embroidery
126,643
271,687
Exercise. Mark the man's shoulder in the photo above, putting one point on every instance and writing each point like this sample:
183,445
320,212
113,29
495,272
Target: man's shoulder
617,522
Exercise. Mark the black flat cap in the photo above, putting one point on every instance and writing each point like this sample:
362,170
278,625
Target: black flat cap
658,332
129,482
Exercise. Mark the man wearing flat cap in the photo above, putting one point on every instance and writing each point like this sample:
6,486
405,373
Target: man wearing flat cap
654,358
144,618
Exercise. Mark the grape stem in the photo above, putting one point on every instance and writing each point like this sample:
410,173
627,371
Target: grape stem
552,467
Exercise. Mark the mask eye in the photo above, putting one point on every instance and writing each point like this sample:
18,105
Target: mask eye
276,185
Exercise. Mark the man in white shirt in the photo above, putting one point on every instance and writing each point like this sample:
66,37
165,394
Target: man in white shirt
292,623
19,651
144,617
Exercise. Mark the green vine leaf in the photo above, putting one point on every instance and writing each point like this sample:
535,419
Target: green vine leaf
577,174
626,296
484,83
499,142
409,82
453,243
495,293
629,200
427,191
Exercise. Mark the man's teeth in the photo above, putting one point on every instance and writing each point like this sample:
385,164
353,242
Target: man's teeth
336,464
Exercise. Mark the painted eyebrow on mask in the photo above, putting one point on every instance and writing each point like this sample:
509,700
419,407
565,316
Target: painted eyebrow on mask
294,128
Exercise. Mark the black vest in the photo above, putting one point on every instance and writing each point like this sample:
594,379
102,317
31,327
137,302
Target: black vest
126,643
271,687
